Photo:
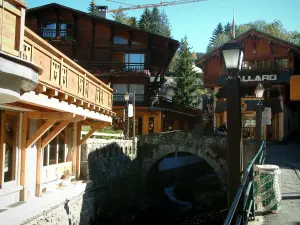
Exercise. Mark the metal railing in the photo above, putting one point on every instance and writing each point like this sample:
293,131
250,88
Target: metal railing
120,98
243,203
53,33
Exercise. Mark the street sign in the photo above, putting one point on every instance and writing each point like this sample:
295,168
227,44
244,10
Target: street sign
130,110
267,116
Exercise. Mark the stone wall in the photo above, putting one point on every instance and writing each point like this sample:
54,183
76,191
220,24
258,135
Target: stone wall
106,159
75,211
113,168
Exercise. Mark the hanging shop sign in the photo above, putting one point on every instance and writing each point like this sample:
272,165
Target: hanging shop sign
259,78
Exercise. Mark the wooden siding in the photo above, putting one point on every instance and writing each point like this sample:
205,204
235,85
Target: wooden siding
12,20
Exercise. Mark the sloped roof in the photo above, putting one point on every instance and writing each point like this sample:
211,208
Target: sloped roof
56,5
252,31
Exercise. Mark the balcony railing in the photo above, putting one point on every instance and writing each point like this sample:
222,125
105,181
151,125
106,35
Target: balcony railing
115,67
61,74
53,33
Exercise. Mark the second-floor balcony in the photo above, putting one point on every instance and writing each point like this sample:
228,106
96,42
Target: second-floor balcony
62,78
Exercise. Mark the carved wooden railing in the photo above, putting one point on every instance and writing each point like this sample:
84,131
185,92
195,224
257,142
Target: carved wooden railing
62,78
12,20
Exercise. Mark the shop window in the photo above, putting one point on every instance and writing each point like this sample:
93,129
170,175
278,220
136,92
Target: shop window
249,126
120,41
151,125
55,151
8,126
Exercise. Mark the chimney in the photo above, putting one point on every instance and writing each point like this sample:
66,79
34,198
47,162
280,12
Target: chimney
101,11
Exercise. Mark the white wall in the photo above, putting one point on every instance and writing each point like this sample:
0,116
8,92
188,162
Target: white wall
31,160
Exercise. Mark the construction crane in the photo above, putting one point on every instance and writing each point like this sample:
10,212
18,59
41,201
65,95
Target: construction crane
161,4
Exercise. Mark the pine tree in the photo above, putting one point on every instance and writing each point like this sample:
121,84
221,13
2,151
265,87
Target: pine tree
92,8
133,22
186,76
155,26
145,20
165,25
217,31
120,16
228,29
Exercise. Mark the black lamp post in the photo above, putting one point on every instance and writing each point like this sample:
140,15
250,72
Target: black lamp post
259,92
233,57
126,98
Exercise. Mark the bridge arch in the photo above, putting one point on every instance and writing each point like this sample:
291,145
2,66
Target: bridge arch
212,149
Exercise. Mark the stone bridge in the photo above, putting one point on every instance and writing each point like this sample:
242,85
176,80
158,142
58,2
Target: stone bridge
211,148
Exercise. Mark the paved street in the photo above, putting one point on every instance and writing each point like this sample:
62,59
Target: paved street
288,158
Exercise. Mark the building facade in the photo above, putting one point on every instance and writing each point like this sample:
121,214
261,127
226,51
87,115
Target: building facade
42,108
126,58
269,61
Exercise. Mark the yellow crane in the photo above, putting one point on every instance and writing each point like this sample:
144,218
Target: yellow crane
161,4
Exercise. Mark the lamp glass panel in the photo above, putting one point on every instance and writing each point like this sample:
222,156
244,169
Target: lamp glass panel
231,57
259,91
241,60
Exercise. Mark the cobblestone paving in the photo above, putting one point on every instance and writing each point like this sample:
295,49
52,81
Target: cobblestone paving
287,157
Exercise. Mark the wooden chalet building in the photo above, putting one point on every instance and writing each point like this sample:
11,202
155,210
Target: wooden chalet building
267,60
45,98
126,58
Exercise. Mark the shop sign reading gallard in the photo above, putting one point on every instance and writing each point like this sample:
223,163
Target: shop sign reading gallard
258,78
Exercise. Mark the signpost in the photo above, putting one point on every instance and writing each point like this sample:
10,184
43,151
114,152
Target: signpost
267,116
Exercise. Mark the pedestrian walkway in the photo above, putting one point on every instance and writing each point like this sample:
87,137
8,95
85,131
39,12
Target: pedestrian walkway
287,157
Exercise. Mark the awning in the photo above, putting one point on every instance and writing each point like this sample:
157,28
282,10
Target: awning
274,104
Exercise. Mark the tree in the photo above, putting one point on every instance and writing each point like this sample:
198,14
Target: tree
186,76
92,8
145,20
218,42
155,26
133,22
228,29
120,16
165,25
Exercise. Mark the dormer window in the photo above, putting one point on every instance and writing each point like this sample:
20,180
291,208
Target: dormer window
120,40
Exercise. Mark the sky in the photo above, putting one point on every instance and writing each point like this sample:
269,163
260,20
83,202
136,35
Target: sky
198,20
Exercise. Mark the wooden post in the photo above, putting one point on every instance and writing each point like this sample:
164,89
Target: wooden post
2,147
78,150
23,195
74,147
39,166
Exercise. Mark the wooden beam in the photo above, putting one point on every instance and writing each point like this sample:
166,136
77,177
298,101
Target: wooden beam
52,93
86,105
39,133
79,102
23,194
51,115
77,118
96,126
40,89
55,132
63,97
2,147
39,166
72,100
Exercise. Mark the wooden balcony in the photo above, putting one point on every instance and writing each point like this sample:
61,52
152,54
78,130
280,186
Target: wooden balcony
62,78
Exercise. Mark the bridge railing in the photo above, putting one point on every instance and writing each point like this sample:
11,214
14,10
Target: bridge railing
243,204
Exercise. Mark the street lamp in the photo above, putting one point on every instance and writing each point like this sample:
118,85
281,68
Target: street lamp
126,98
259,93
233,57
